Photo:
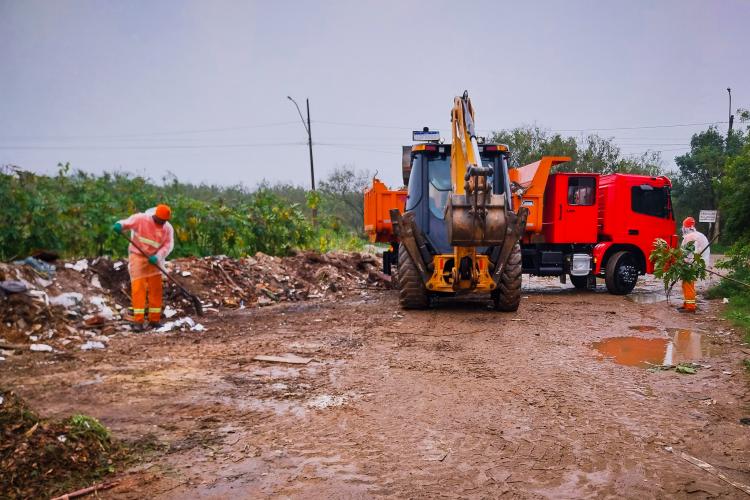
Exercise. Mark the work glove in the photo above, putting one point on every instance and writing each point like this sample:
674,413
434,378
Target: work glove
117,228
153,260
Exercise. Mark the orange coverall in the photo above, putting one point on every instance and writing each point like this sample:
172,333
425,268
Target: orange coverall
145,278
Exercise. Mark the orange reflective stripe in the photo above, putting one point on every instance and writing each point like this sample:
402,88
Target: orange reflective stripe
149,242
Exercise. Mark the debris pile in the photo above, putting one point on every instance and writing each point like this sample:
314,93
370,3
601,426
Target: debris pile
42,458
81,304
263,279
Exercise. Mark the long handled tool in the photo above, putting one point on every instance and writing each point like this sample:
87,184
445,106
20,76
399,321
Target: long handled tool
193,298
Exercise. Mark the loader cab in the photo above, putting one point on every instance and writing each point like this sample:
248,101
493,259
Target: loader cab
429,186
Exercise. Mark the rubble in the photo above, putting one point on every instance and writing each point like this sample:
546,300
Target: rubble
85,301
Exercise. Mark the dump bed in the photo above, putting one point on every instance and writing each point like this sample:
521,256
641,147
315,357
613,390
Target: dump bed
379,200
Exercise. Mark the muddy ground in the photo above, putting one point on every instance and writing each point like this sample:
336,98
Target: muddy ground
456,401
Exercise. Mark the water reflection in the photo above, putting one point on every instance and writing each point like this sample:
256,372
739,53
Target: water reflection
683,346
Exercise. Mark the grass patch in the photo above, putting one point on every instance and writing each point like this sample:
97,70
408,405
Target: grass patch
738,313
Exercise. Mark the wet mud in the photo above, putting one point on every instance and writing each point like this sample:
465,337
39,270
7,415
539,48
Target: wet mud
457,401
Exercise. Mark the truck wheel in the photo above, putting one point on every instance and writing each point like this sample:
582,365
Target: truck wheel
507,295
412,293
580,282
621,274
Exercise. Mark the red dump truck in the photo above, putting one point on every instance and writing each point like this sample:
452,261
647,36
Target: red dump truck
580,225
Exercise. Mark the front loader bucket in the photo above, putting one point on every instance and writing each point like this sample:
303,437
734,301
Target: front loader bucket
467,228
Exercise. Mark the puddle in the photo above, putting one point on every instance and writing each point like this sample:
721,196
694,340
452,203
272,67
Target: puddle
683,346
646,297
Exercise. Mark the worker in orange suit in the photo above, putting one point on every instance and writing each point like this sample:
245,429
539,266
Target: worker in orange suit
152,232
700,242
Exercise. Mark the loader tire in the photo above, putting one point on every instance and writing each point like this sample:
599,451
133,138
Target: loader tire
507,295
412,293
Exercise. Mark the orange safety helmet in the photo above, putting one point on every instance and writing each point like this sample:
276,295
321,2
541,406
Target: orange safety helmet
165,213
689,222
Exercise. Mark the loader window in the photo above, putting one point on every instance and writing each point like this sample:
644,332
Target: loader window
440,184
649,200
581,191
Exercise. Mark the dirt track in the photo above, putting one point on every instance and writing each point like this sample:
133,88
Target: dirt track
458,401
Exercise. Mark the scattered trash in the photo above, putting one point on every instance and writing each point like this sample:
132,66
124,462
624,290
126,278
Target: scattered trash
79,266
179,324
725,300
169,312
41,267
185,274
117,265
292,359
62,438
67,300
92,345
40,348
13,286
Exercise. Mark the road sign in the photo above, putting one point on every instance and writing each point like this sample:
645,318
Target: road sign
707,216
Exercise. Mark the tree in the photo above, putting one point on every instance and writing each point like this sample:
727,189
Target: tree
343,195
699,184
591,153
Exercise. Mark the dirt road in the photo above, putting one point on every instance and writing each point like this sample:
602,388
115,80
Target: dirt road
457,401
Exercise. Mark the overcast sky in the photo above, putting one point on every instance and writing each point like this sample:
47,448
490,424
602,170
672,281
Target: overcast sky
199,88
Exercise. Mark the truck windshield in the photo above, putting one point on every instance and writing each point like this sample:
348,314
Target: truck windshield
439,177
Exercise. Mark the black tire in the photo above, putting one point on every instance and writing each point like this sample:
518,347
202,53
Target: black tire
507,295
412,293
621,274
580,282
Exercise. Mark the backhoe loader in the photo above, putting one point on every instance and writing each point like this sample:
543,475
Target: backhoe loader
459,234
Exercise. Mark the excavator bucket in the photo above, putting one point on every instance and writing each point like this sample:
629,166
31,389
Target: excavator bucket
468,228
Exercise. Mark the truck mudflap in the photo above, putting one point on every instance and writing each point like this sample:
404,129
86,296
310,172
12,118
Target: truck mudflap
515,227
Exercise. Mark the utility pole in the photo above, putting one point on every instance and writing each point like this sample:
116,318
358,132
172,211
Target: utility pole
731,116
309,145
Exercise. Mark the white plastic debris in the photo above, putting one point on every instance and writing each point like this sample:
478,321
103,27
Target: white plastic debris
2,358
95,282
179,323
186,274
40,348
67,300
2,399
39,295
62,438
169,312
104,310
33,338
117,265
725,300
92,345
79,266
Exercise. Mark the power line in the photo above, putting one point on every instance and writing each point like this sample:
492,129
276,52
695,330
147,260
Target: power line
179,146
147,134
